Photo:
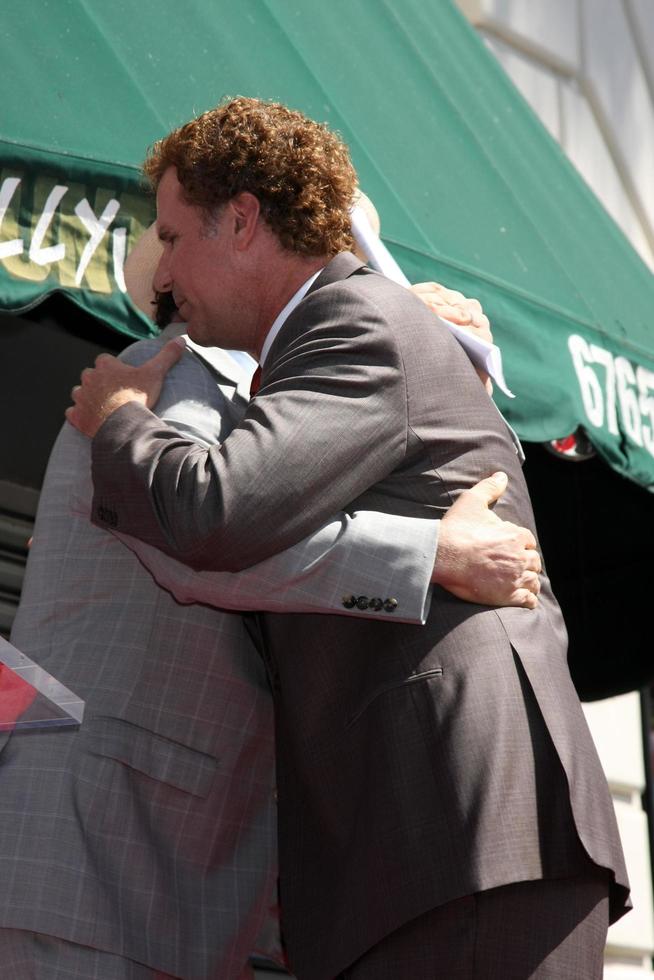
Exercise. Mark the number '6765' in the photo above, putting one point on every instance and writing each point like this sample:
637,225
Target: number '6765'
616,395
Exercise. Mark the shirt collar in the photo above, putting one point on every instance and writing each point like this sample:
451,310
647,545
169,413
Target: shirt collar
282,317
244,360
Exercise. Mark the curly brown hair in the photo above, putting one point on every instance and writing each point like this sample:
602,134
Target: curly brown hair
299,170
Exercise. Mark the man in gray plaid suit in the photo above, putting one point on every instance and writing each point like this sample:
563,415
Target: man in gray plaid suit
144,844
436,783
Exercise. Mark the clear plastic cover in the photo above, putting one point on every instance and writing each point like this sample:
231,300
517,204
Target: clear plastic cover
31,698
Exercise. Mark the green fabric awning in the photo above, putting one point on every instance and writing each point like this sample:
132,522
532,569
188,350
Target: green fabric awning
471,189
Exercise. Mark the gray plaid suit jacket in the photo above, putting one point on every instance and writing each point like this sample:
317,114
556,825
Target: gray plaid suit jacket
415,764
150,833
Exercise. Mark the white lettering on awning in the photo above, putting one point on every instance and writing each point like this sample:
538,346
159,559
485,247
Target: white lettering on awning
96,228
15,245
53,253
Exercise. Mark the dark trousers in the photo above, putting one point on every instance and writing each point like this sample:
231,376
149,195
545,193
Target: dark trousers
545,930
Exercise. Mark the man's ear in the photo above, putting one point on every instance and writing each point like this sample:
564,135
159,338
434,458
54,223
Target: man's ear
246,210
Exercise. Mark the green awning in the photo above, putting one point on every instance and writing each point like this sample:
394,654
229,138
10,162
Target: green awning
472,190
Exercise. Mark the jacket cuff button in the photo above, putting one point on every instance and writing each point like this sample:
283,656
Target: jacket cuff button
362,602
349,601
390,605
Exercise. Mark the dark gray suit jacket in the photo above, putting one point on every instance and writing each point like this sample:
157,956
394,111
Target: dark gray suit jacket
415,764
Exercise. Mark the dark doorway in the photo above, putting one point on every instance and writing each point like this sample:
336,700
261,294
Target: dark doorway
597,533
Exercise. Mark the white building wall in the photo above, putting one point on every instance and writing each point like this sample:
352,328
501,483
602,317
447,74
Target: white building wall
587,69
616,727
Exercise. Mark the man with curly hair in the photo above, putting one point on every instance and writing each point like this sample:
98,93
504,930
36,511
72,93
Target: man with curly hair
436,782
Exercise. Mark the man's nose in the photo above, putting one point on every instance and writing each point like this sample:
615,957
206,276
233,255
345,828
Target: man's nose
162,281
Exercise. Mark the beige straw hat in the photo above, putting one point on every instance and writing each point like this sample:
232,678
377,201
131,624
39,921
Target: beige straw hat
362,201
140,267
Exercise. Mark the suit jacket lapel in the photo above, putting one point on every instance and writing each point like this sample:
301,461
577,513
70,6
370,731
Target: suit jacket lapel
342,266
224,368
219,362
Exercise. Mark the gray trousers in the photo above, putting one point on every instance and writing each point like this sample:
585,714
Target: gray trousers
32,956
535,930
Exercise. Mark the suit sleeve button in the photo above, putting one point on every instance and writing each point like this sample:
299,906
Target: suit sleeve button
390,605
362,602
349,601
376,604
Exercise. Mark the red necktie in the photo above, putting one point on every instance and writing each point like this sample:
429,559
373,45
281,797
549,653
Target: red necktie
255,384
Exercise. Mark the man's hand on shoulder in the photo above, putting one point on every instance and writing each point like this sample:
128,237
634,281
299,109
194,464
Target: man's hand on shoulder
453,305
483,559
111,384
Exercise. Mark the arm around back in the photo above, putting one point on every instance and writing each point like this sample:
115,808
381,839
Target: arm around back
330,421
